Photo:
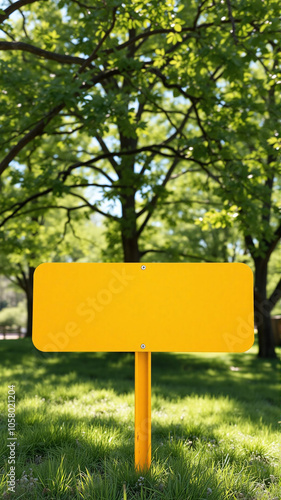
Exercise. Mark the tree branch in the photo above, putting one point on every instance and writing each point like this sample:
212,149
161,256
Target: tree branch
105,149
35,132
274,242
249,242
41,125
65,173
169,85
50,207
151,205
156,149
18,206
199,12
275,296
181,254
94,207
46,54
171,137
148,33
15,6
233,31
187,201
93,55
23,23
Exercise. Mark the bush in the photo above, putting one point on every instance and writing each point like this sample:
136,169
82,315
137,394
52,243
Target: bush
13,316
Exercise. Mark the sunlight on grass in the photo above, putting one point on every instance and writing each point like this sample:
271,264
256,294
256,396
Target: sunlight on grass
214,426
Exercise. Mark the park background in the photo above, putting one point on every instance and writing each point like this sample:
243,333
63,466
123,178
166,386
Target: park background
141,132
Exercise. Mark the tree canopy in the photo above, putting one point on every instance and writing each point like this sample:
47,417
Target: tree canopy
110,103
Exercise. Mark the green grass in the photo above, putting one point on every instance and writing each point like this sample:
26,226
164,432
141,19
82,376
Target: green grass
214,429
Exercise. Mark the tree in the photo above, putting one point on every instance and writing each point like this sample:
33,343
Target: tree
174,234
136,82
12,317
246,167
50,237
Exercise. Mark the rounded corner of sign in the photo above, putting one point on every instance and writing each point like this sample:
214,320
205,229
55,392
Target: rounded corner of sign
249,344
246,268
38,345
39,268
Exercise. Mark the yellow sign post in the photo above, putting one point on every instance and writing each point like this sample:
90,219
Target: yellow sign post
143,308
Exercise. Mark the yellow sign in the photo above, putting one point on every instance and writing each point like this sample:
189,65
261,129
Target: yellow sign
143,307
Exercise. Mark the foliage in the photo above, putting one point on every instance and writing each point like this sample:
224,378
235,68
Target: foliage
175,231
49,237
13,316
129,93
117,99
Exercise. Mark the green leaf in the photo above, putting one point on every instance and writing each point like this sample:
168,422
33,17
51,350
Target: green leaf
177,27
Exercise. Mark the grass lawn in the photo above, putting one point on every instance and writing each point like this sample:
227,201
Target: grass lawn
214,426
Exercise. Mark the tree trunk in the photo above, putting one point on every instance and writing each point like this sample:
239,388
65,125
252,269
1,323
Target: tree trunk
29,299
262,311
129,230
130,248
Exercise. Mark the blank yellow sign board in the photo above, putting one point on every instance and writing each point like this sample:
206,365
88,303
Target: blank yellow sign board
143,307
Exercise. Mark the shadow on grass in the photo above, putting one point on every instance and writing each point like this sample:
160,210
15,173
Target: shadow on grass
242,377
111,439
90,436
